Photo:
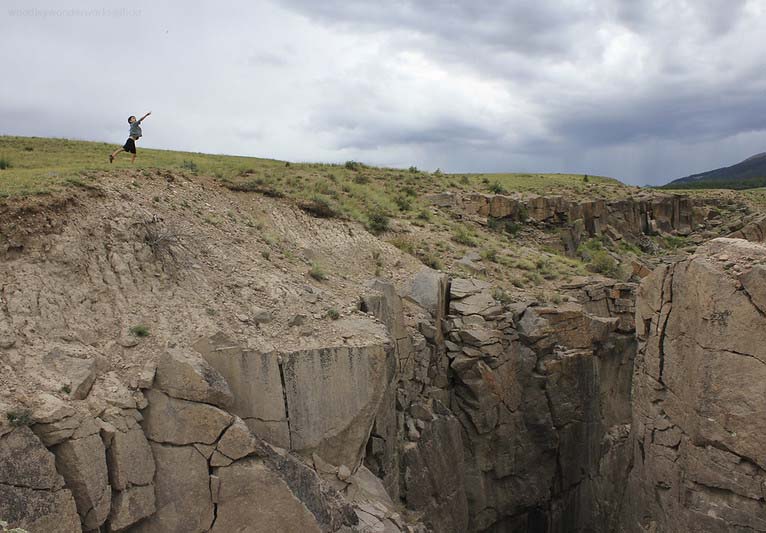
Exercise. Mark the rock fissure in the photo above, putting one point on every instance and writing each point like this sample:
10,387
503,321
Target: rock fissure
285,401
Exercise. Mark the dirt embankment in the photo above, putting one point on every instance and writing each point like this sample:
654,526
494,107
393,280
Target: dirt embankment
116,274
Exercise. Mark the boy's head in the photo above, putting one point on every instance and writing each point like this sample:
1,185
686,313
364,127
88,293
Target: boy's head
131,119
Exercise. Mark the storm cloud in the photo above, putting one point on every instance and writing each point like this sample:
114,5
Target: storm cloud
642,91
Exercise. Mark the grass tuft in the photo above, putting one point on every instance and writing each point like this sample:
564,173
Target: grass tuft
139,331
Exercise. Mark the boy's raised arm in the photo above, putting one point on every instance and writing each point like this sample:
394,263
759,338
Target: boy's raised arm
142,118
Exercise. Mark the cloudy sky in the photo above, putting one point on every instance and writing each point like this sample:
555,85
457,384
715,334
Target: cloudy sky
643,90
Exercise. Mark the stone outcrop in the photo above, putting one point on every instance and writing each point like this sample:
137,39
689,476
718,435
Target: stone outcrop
241,483
699,394
189,377
160,461
82,462
319,400
632,217
433,406
754,230
648,213
32,492
509,417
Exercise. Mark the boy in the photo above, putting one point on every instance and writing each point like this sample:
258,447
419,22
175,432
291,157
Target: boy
130,144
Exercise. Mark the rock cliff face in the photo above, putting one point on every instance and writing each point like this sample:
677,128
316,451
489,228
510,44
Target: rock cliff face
631,218
428,403
516,417
641,214
699,426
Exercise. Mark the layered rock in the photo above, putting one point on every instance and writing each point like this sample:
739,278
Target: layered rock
513,418
643,214
170,460
700,394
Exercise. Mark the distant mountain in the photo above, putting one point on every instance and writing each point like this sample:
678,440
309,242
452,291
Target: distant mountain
747,174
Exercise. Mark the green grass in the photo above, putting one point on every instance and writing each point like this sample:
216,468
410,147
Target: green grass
19,418
535,183
317,272
38,165
139,331
46,165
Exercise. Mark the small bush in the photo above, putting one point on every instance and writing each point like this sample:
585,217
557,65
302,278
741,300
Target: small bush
66,389
139,331
190,165
404,203
503,225
317,272
463,235
320,207
353,165
424,214
258,185
501,296
464,180
585,178
405,244
266,255
377,222
438,172
414,169
489,254
5,163
333,314
672,242
603,263
496,188
362,179
22,417
431,260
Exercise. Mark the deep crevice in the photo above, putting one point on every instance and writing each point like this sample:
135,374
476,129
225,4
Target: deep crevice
280,364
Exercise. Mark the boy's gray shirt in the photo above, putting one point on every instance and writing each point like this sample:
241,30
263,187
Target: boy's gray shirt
135,129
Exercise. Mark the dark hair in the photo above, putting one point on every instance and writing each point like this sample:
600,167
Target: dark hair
130,117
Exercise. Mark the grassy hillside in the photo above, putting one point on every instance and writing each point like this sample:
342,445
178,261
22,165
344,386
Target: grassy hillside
36,165
747,174
735,184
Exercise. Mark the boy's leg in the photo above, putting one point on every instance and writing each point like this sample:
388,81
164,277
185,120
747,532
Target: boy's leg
132,158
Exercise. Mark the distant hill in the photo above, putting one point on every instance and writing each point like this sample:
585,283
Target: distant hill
747,174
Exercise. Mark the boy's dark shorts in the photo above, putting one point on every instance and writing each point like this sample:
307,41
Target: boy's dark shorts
130,145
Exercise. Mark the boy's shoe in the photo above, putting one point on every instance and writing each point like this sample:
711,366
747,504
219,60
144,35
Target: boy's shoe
111,158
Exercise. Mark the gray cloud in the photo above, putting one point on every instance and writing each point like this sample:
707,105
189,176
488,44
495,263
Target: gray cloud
643,91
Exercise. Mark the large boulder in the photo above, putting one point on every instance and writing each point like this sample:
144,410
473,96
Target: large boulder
186,375
130,506
130,459
332,395
699,395
249,480
428,288
76,373
82,462
183,500
329,395
255,381
180,422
